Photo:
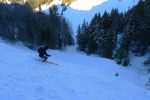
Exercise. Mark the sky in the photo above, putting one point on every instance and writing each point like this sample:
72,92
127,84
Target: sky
86,4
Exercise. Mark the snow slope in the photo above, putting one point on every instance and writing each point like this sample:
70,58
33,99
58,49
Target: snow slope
77,77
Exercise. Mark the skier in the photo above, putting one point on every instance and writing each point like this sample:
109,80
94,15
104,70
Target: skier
43,54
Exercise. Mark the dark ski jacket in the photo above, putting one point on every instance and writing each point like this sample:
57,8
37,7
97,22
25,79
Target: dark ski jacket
42,51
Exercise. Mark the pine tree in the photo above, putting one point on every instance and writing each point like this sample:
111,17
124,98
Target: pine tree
82,37
91,34
34,28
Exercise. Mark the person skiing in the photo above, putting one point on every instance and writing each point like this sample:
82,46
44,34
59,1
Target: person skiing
43,54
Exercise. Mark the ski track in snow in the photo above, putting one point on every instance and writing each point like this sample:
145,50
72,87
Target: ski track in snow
77,77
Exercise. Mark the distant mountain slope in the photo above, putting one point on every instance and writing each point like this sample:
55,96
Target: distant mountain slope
37,3
76,17
77,11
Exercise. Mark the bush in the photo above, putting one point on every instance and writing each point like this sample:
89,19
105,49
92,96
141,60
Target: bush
147,61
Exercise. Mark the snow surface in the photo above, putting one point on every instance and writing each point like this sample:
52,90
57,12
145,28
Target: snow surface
77,77
46,7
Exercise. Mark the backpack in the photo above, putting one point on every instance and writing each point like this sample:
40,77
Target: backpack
40,50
